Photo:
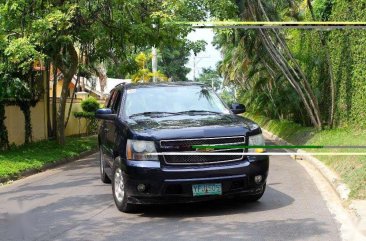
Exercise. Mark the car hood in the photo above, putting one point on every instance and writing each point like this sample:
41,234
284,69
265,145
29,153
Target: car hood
191,126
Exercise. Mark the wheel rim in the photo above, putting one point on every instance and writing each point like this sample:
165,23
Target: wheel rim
101,162
119,191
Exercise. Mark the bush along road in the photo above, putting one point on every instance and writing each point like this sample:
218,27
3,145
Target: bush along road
339,171
34,157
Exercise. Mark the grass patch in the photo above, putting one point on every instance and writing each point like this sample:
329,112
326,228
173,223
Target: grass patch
352,169
38,154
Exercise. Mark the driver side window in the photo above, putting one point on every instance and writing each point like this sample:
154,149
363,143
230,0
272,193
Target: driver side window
115,101
109,100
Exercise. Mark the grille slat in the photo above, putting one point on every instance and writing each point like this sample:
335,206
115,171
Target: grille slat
208,141
186,145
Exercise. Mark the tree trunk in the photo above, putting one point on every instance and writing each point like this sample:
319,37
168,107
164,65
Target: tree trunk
72,100
47,99
54,104
4,142
281,63
282,57
68,69
61,111
25,108
101,73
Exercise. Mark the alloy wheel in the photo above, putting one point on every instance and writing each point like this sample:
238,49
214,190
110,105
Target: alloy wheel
119,189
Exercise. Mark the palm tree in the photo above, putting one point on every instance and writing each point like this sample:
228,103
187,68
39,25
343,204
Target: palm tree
257,57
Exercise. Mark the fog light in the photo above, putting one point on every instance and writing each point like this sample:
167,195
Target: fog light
258,179
141,187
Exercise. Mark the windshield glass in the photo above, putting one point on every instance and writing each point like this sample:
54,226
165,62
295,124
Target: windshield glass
172,99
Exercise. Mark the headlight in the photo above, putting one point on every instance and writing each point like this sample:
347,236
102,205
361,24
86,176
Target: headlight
139,150
257,141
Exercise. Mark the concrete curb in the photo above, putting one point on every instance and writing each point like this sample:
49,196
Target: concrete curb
47,166
357,208
333,179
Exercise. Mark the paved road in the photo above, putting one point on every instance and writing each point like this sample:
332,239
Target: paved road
70,203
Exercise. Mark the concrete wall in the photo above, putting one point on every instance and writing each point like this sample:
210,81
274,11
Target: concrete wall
16,127
15,122
59,88
75,126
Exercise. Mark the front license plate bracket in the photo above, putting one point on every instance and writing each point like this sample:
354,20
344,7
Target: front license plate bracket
206,189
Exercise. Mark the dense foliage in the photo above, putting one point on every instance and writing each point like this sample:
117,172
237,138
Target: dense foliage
210,77
311,77
347,58
349,61
37,155
90,105
78,37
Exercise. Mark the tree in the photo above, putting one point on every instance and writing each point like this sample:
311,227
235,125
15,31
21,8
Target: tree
19,82
143,73
276,57
211,78
173,61
109,31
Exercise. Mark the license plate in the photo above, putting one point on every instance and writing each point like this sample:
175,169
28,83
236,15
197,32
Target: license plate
206,189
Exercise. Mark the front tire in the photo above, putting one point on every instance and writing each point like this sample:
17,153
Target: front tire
102,164
119,192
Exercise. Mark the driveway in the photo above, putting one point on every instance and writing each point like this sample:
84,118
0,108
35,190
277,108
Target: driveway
71,203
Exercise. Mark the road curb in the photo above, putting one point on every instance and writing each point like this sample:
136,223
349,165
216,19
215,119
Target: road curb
46,167
333,179
356,209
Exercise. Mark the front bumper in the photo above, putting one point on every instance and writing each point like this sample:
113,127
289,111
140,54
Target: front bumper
166,184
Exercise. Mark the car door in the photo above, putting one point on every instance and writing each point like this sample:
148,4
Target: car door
103,128
110,126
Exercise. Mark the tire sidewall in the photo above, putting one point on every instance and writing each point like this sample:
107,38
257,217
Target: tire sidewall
103,175
121,205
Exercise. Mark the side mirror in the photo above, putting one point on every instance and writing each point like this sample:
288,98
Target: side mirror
105,114
237,108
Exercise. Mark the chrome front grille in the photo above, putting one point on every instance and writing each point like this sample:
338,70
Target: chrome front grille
185,145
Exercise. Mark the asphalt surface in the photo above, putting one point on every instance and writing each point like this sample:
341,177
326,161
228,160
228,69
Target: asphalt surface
71,203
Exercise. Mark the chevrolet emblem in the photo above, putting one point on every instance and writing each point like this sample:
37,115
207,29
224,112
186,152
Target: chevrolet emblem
205,149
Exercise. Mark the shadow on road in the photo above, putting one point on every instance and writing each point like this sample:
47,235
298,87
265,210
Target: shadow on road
272,199
78,207
226,229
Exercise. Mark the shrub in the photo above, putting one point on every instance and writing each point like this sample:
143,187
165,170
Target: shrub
90,105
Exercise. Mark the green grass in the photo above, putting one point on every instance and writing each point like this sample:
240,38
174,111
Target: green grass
38,154
352,169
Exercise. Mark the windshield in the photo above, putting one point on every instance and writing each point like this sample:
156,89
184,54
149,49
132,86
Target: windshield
172,99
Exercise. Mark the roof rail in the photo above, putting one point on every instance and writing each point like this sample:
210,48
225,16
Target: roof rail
123,83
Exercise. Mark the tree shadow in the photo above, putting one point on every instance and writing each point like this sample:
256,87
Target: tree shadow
92,215
291,229
74,178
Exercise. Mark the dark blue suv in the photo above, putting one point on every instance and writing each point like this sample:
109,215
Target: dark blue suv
178,142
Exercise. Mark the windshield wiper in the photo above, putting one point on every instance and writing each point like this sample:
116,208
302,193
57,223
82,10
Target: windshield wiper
199,112
163,113
150,113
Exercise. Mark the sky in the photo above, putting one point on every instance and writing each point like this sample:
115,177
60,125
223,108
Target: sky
204,59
